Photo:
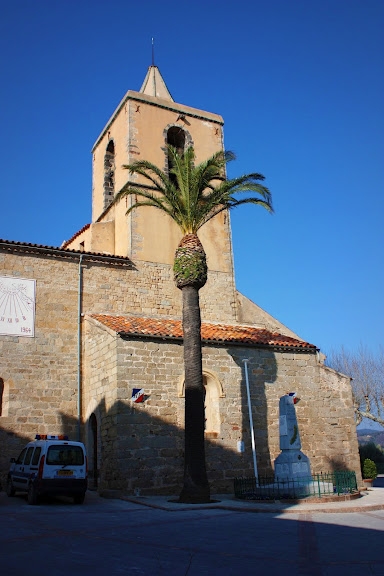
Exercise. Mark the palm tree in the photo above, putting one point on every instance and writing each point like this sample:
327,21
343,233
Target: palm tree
192,195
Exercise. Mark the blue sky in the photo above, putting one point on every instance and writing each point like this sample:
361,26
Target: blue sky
300,85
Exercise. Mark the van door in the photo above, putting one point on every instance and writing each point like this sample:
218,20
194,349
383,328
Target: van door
19,478
34,466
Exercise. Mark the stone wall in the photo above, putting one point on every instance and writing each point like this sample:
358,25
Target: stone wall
150,291
141,445
40,374
148,451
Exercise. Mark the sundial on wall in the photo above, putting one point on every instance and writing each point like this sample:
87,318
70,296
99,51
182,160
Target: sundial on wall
17,306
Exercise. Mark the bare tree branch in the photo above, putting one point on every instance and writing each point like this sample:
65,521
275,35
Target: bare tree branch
366,370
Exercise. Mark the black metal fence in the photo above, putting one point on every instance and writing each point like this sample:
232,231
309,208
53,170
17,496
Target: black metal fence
317,485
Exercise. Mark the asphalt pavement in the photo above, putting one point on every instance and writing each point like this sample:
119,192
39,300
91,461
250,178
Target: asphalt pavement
156,537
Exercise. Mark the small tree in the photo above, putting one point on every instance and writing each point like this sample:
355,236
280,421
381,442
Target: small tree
369,469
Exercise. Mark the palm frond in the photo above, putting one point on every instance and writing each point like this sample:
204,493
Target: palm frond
194,194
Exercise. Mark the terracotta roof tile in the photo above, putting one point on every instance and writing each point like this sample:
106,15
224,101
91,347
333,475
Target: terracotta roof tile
216,333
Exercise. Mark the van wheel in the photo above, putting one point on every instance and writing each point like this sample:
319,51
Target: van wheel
79,498
10,489
32,495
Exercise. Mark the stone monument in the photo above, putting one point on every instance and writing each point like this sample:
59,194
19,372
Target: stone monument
291,464
292,478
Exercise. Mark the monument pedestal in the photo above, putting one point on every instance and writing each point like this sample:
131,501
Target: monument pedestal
292,465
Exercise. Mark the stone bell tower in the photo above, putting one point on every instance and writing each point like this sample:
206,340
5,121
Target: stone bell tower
141,126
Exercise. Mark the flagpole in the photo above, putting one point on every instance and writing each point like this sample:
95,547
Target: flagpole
250,418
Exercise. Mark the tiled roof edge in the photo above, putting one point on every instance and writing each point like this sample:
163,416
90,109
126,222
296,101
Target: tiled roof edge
28,248
83,229
309,349
217,335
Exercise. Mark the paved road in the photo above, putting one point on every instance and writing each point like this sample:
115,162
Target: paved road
113,537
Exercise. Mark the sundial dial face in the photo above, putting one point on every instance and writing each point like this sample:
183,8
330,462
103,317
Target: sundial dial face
17,306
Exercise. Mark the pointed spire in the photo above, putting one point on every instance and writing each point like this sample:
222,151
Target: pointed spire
154,84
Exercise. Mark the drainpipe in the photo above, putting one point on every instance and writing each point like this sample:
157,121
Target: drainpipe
80,282
246,360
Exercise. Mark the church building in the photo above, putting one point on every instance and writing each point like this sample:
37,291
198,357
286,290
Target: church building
91,341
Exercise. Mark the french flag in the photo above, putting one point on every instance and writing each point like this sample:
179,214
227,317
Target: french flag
137,395
294,397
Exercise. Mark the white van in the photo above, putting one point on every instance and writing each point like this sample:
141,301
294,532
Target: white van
50,465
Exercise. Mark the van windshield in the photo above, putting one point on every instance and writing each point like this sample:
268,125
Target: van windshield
65,455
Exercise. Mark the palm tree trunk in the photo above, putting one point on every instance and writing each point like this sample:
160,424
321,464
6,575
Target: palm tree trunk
196,487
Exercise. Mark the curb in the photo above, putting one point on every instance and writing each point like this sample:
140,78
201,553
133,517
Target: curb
276,507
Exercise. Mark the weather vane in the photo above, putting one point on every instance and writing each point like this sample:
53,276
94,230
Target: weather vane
153,52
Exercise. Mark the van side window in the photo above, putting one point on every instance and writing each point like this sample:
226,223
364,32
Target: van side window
36,456
28,456
21,456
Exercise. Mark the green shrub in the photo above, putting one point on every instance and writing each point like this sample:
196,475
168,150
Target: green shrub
369,469
372,451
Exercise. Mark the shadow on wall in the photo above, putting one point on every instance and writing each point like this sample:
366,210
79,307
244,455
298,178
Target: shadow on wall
337,464
11,445
136,451
130,449
262,370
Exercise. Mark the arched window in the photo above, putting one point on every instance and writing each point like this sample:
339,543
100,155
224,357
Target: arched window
175,138
93,417
212,408
109,174
213,391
